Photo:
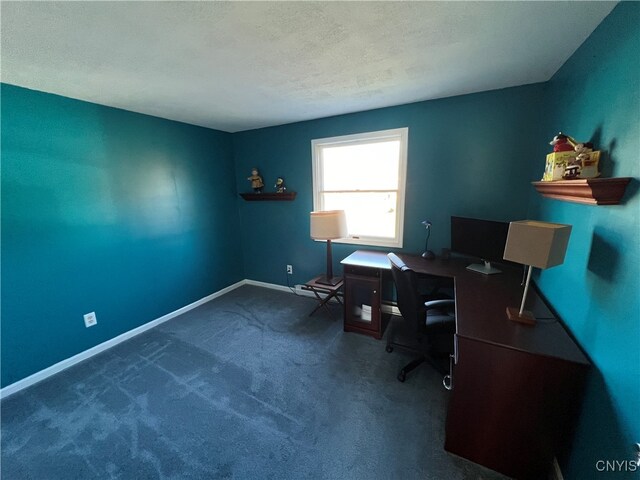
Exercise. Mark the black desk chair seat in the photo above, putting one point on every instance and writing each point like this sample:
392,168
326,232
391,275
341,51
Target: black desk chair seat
427,324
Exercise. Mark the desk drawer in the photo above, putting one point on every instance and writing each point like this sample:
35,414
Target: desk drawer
362,271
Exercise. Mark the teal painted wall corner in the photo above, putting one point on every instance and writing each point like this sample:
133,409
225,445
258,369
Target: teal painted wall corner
109,211
472,145
134,216
595,97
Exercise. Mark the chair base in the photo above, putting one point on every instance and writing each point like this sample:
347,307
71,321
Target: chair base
402,376
412,365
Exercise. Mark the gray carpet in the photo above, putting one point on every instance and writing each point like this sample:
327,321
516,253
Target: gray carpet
246,386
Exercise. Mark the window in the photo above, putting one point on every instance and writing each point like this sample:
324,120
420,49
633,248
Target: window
364,175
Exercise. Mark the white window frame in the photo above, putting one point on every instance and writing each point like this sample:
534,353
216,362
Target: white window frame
401,134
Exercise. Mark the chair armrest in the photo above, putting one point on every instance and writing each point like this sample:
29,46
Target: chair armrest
439,303
440,316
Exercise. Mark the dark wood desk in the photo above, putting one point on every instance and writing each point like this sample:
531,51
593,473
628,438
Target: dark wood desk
516,389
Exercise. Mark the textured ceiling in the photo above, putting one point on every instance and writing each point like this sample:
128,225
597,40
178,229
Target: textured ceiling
241,65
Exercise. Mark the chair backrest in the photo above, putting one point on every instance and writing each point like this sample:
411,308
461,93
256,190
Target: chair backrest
409,300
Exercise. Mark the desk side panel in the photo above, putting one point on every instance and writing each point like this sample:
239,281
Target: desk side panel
511,411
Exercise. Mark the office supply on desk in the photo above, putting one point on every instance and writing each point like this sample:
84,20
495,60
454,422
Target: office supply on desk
534,244
484,239
422,320
328,225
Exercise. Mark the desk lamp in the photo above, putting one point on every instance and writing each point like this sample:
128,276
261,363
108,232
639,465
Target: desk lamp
328,225
427,253
534,244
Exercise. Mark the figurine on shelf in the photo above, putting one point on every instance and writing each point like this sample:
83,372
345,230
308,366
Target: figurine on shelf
571,172
280,186
584,152
256,181
562,143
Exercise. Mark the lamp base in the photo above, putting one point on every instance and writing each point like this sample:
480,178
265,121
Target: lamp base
333,281
526,318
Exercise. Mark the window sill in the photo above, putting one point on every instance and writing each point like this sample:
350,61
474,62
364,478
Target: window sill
368,242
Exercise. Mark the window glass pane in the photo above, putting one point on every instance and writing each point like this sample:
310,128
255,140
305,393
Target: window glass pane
363,174
372,166
368,214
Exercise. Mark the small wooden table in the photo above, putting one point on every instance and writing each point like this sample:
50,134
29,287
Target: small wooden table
331,291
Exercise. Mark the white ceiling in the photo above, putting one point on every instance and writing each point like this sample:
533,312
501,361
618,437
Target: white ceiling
236,66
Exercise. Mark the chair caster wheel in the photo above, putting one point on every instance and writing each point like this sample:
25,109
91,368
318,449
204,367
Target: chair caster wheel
389,348
402,376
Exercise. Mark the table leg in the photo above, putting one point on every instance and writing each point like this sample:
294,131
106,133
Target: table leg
322,302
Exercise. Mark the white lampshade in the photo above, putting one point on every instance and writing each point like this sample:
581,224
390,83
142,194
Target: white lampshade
536,244
539,244
328,225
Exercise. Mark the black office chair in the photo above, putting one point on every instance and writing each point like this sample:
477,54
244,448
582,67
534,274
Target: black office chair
428,322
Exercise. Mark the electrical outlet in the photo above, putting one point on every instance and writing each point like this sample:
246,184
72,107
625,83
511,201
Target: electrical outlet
90,319
289,269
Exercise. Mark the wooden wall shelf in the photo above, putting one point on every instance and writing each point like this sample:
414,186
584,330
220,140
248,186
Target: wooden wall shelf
255,197
592,191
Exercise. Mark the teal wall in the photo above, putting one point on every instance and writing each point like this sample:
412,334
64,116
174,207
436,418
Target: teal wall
134,216
109,211
596,96
467,155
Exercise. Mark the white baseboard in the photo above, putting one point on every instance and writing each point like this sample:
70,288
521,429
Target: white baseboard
386,308
69,362
296,289
273,286
392,309
64,364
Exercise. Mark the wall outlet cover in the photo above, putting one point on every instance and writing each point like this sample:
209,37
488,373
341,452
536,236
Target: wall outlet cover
90,319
